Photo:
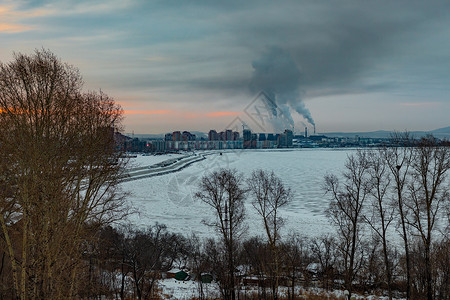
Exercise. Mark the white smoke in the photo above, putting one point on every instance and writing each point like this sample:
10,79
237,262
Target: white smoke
277,74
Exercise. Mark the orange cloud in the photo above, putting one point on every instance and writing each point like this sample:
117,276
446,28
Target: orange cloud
215,114
11,18
147,112
13,28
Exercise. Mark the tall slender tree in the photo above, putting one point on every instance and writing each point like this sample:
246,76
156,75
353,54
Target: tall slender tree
429,192
223,191
398,160
380,211
345,211
269,195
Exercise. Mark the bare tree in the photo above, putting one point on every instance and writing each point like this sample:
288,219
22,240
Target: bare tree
324,251
380,213
198,263
223,191
441,268
147,253
398,160
345,210
256,255
295,258
61,170
269,195
429,191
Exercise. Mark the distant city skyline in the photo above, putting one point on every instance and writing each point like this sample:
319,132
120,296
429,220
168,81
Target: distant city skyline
194,65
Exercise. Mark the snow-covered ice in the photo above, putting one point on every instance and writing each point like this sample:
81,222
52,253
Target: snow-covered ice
148,160
169,199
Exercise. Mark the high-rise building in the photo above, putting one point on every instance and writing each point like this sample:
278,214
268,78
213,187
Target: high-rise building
229,135
176,136
235,136
187,136
262,137
247,134
168,137
221,136
213,135
159,146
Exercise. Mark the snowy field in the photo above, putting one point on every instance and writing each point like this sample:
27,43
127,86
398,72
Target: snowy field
173,289
169,199
143,160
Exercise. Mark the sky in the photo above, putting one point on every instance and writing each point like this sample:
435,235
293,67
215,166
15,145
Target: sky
199,65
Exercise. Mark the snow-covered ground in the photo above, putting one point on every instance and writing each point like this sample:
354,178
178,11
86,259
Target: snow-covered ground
169,199
148,160
180,290
173,289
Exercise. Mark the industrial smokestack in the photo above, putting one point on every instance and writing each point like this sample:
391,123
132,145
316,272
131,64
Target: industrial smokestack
306,132
314,129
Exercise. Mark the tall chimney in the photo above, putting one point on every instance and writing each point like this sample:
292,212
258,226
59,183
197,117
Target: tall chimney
306,132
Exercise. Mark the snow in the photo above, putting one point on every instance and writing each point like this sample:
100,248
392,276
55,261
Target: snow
176,289
169,199
148,160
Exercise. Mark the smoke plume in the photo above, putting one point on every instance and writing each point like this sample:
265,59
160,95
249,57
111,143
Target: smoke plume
277,75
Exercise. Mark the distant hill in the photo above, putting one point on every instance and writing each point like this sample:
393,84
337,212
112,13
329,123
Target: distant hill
442,130
442,133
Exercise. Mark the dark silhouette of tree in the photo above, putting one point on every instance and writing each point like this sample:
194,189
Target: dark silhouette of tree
223,191
295,258
148,253
60,168
428,192
324,251
269,195
398,160
345,211
380,211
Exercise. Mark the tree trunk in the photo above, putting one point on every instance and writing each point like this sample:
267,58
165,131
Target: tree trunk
405,239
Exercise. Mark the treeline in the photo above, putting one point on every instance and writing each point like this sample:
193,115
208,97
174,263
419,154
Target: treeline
402,190
126,264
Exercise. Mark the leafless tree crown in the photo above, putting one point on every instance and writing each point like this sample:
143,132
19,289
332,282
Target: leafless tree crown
59,171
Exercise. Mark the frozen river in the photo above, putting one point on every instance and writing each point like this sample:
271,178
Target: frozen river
169,199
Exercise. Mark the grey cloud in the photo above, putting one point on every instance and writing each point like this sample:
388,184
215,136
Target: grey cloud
334,45
338,47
